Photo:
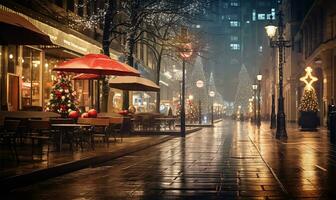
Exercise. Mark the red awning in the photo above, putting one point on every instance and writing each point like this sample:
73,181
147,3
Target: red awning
98,64
15,29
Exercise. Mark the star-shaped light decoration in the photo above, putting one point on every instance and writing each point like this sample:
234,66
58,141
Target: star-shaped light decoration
309,79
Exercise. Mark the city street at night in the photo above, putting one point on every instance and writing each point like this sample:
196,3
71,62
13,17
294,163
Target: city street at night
167,99
232,160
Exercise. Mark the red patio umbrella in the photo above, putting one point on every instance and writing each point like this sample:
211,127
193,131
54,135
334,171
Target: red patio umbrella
97,64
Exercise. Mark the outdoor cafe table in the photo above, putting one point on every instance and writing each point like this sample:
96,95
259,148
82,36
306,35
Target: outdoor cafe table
165,120
64,128
28,114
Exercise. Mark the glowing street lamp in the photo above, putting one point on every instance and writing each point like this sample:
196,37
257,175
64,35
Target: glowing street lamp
271,30
277,40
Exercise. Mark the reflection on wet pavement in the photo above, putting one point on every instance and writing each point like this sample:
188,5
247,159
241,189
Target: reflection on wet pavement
215,163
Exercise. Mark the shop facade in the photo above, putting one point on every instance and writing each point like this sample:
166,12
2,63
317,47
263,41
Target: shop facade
26,71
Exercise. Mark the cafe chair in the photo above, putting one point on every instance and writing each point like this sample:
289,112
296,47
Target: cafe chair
39,133
9,135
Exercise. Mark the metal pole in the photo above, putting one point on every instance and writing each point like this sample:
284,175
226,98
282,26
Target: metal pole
183,100
98,97
199,110
273,115
281,117
255,107
212,112
258,117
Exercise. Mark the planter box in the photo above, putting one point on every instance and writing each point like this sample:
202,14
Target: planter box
309,121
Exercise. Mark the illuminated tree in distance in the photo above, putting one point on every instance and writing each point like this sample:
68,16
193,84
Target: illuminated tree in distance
197,74
244,91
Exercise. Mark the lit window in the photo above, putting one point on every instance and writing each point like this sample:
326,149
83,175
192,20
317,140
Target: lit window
234,23
234,38
269,16
235,46
253,15
261,17
234,3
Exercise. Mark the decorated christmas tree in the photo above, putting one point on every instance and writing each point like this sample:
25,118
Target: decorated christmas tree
308,107
308,101
191,112
62,97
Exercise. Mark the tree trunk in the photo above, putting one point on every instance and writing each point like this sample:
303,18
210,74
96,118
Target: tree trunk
106,48
158,70
130,46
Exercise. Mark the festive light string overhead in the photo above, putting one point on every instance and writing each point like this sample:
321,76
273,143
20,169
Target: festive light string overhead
309,79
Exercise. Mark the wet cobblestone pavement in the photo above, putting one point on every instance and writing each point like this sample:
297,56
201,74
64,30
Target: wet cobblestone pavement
231,161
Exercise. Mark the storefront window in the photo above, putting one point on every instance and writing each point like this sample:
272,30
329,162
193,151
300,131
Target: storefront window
82,90
31,81
48,77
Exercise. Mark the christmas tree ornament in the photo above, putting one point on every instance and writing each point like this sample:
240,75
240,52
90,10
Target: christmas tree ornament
92,113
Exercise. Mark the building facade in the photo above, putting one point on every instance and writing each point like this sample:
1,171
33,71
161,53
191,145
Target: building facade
310,27
75,29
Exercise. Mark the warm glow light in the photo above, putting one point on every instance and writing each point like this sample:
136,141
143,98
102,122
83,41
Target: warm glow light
308,79
186,51
254,86
191,97
259,77
11,56
271,30
211,93
199,83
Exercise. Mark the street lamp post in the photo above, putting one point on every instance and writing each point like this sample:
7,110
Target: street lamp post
281,44
251,109
185,54
271,31
255,87
259,77
212,94
199,84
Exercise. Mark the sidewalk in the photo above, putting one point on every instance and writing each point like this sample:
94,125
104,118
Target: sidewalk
305,163
29,171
